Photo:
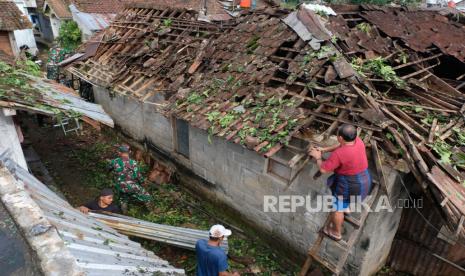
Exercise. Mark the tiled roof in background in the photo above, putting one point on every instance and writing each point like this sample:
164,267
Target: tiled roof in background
11,17
100,6
60,8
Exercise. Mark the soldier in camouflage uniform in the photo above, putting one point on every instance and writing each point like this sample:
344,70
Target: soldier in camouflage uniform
128,179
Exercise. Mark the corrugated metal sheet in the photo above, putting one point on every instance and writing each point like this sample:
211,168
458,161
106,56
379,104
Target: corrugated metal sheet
65,98
176,236
98,249
416,241
9,139
91,21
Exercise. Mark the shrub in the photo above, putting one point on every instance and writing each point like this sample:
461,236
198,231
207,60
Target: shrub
69,35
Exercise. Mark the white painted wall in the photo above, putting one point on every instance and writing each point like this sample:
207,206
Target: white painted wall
30,3
56,23
9,139
25,37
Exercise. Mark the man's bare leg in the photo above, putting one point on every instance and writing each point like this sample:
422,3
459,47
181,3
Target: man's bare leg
337,219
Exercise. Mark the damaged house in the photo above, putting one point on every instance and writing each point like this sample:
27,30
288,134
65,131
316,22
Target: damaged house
237,104
60,239
12,20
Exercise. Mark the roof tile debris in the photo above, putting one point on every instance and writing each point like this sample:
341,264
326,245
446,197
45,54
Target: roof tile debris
11,18
257,83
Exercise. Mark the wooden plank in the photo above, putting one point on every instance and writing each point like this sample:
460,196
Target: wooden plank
421,164
314,100
409,120
406,155
379,167
444,86
436,99
403,124
419,71
416,61
332,118
341,115
451,130
368,99
459,226
449,187
433,129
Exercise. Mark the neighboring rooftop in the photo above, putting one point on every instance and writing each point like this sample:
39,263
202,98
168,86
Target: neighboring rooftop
60,8
11,17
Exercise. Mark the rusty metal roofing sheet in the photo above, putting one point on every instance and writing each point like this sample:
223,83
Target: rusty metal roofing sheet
417,241
421,29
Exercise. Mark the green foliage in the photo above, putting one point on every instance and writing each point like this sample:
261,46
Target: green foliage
379,67
167,22
443,150
194,98
15,85
460,134
227,119
172,206
364,27
29,67
323,52
252,45
69,35
403,57
91,161
289,4
334,39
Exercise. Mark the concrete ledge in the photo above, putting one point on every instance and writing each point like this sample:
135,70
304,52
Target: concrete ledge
53,256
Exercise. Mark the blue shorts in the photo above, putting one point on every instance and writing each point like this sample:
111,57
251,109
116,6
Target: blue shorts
340,205
343,187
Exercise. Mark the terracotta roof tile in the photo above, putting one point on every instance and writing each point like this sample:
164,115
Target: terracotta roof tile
11,17
214,7
100,6
60,8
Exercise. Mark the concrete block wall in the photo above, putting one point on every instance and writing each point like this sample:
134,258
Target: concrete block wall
237,177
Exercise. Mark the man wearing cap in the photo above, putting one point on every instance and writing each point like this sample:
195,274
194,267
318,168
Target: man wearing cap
211,259
351,178
103,203
128,179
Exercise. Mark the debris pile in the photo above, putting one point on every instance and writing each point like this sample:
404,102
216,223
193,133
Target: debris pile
22,88
270,77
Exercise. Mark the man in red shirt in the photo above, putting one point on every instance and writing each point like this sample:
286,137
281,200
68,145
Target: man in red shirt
349,164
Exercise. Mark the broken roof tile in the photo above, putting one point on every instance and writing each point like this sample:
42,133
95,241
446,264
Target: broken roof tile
261,85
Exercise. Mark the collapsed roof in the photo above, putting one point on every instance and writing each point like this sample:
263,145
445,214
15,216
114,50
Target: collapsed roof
269,77
21,90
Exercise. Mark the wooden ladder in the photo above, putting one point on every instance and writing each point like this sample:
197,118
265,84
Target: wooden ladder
336,269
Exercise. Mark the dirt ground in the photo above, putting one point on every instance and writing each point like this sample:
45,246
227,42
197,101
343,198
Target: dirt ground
61,156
